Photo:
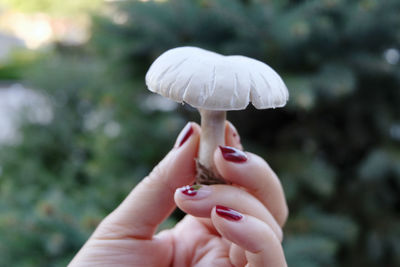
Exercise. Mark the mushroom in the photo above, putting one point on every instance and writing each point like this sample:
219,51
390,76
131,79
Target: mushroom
214,84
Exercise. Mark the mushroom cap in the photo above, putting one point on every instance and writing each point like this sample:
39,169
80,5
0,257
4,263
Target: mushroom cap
211,81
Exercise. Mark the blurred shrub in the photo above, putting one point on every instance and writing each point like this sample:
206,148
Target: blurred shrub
335,147
69,7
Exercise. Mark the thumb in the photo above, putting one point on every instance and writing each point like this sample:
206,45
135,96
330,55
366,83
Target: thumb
152,200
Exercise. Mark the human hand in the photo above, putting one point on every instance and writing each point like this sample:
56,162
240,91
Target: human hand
247,233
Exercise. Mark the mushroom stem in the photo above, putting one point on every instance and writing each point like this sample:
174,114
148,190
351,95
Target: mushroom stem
212,135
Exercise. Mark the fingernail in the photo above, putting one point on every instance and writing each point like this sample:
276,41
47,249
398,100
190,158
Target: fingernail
185,134
228,213
195,191
233,154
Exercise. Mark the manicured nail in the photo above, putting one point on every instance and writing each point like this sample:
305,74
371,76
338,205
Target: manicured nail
195,191
185,134
228,213
233,154
190,190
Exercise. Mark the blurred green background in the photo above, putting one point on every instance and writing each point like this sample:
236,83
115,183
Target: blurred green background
78,128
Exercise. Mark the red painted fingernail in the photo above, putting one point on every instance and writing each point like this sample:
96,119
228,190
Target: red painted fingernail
228,213
190,190
185,134
233,154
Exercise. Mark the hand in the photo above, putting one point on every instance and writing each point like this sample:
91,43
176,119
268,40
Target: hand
226,225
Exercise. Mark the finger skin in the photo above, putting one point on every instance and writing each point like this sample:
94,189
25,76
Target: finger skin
256,176
207,197
253,235
232,137
124,252
237,256
152,200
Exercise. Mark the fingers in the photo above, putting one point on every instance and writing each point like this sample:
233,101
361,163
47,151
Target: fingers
232,137
237,256
251,234
152,199
254,174
200,200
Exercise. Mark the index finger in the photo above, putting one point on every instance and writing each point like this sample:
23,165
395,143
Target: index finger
152,200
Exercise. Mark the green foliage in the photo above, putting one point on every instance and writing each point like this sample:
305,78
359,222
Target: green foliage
336,146
20,60
54,7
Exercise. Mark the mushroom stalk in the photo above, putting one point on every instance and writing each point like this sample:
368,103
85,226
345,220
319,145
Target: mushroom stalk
212,135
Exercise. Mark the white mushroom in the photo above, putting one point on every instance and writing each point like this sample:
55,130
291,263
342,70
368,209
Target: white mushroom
214,84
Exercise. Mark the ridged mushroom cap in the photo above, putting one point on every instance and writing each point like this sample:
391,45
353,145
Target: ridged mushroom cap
211,81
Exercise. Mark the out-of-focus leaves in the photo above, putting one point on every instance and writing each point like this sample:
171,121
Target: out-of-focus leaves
339,228
379,164
301,92
53,7
313,174
334,81
17,62
310,250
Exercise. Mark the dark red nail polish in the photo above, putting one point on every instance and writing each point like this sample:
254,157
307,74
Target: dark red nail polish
186,133
228,213
190,190
233,154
